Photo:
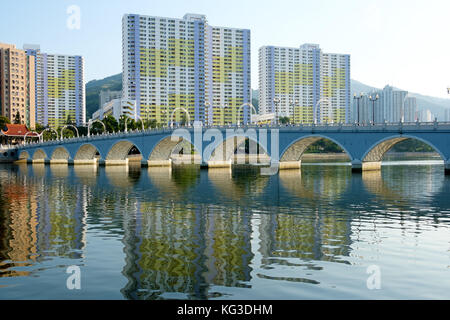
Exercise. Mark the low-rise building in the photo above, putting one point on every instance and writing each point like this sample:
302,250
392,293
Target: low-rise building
117,108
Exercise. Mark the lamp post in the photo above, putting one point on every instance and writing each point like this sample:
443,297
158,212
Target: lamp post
373,99
357,98
293,104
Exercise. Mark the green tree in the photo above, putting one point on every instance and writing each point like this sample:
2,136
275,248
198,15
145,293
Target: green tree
150,124
3,122
17,119
285,120
111,124
39,128
69,120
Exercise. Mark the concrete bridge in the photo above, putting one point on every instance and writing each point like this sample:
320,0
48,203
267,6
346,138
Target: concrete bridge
365,145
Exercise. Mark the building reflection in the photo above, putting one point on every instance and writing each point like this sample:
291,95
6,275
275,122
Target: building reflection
237,184
316,183
33,225
173,248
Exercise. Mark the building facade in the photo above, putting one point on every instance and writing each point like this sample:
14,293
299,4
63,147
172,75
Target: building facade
176,68
304,84
392,106
60,88
17,85
117,108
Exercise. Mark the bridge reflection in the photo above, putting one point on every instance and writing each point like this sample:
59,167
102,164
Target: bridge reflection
188,231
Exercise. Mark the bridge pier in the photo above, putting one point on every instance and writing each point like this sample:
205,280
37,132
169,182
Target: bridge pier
219,164
159,163
59,161
447,168
83,162
359,166
116,162
287,165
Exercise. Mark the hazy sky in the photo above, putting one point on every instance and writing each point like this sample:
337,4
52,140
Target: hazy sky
402,43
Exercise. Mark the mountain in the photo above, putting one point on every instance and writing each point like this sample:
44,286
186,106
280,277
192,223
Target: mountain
93,88
436,105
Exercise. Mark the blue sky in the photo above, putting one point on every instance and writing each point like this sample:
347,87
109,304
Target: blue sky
402,43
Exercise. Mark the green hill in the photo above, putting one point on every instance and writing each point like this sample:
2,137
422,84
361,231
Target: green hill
93,89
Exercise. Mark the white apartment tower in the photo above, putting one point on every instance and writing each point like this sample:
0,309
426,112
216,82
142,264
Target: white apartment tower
184,69
304,84
60,88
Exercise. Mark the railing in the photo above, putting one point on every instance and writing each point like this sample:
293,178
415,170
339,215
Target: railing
306,127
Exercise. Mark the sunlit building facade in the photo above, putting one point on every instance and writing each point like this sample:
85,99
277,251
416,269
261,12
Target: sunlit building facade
17,85
174,67
60,89
304,84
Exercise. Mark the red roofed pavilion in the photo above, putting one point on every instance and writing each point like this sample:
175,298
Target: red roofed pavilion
15,134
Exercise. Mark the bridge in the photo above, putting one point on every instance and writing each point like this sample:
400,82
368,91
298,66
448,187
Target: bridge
215,147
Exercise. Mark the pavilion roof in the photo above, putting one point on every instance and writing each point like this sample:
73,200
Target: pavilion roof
17,130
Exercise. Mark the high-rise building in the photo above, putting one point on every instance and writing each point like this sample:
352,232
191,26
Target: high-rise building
227,70
60,90
447,115
410,110
176,66
304,84
392,106
17,85
426,116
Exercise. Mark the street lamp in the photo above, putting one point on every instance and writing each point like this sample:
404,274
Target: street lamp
373,99
293,104
357,98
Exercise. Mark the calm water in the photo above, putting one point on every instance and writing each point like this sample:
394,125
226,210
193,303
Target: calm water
194,234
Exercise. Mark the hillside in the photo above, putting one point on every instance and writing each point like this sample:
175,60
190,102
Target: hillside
93,88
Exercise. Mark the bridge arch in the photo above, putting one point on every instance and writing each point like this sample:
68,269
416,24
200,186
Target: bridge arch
24,155
294,151
120,150
86,152
60,153
164,147
377,151
39,155
225,149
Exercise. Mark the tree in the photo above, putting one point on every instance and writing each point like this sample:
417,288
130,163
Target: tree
69,120
150,124
3,122
111,124
39,128
285,120
17,119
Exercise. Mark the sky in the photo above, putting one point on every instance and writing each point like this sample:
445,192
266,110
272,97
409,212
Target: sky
402,43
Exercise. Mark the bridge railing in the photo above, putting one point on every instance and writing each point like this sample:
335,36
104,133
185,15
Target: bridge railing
361,127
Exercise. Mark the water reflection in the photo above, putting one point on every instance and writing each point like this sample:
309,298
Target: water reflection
190,233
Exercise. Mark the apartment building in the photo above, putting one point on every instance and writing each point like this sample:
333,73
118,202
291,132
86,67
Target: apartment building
60,88
17,85
184,69
304,84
